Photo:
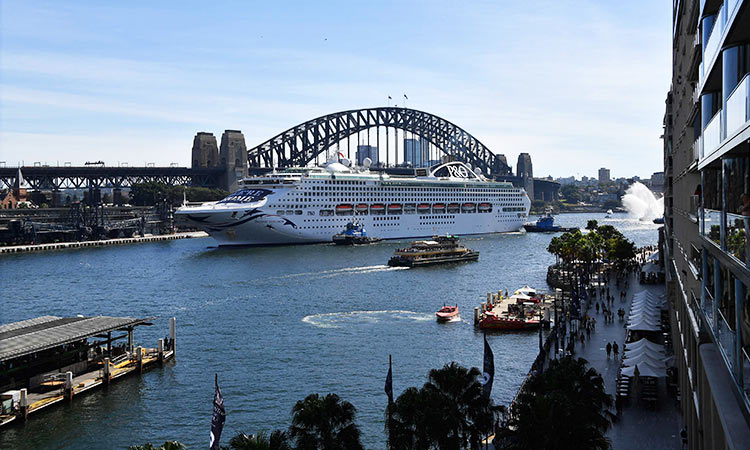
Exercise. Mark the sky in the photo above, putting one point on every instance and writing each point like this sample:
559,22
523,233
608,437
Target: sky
578,85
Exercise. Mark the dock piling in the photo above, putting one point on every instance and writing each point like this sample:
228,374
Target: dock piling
107,375
476,315
24,405
172,335
69,385
161,351
139,358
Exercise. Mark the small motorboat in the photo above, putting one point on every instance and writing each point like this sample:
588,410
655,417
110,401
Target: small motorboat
354,233
447,313
609,214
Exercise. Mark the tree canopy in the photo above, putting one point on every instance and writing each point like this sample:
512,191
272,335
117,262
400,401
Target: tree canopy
151,193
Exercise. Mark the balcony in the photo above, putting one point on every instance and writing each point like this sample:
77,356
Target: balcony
737,106
712,46
712,134
698,149
708,308
726,337
711,226
737,243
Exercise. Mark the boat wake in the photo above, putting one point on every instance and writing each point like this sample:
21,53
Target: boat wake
338,319
344,271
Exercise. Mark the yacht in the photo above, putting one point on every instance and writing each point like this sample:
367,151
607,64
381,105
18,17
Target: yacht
310,204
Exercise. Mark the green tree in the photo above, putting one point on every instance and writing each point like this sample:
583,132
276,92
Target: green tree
448,412
591,225
571,193
278,440
565,407
324,423
169,445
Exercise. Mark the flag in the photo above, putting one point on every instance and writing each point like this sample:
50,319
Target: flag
389,382
406,97
488,373
218,418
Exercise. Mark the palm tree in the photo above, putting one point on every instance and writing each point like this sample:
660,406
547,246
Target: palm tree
324,423
276,441
464,414
569,403
169,445
408,420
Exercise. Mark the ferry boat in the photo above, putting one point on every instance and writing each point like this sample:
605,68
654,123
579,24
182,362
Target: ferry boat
447,313
441,249
311,204
354,233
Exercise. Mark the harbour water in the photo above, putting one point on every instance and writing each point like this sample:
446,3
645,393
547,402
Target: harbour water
275,323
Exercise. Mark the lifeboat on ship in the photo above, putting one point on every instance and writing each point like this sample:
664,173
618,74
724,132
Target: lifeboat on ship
447,313
361,208
438,208
423,208
469,207
344,209
395,208
453,207
485,207
377,208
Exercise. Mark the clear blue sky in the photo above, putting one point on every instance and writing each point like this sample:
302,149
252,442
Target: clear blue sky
577,84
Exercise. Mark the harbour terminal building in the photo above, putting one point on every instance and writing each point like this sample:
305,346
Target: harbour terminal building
707,218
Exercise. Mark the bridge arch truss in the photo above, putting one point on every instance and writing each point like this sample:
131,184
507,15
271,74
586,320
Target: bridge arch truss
302,144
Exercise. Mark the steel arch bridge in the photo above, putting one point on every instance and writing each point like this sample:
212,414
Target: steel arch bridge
300,145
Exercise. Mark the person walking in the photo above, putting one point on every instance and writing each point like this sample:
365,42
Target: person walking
616,349
597,307
609,349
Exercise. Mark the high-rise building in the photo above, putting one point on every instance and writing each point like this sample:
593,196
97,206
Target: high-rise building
604,176
707,218
366,151
416,152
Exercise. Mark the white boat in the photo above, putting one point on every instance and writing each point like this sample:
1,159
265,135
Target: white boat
308,205
609,214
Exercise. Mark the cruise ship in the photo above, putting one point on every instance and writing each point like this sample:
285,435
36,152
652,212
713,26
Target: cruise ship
311,204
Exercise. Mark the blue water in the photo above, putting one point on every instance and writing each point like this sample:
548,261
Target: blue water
276,323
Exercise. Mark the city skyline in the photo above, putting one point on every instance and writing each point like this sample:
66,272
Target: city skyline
126,83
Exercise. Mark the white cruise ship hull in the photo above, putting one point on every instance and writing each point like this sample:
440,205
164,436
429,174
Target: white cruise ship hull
313,205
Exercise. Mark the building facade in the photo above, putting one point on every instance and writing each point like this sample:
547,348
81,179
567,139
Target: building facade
367,151
707,218
604,176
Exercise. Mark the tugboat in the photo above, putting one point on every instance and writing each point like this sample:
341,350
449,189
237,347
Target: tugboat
354,234
441,249
447,313
545,224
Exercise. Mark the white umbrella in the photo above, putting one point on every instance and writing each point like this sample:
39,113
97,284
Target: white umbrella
633,353
643,326
645,370
643,343
643,358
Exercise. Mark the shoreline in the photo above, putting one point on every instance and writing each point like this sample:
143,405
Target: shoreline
100,243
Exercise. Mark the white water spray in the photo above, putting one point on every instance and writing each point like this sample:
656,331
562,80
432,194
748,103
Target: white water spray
641,203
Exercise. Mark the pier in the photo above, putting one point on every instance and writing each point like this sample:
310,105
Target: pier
50,360
101,243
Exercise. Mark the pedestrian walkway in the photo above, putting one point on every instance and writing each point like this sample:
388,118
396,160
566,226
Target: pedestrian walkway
637,427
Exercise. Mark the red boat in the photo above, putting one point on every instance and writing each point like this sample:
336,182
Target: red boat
495,322
447,313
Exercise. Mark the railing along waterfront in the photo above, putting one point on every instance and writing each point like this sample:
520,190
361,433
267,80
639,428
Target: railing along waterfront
737,244
712,134
711,225
746,376
708,308
726,338
737,106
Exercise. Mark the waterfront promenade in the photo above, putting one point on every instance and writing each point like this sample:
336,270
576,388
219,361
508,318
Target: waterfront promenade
102,242
637,427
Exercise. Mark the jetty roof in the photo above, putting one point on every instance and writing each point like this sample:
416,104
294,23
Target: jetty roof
42,333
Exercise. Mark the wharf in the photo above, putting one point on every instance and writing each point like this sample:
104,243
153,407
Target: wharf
43,357
100,243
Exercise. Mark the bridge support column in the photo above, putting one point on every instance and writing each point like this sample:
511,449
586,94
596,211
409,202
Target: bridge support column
117,196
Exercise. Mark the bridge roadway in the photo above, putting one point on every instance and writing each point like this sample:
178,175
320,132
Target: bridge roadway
55,177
